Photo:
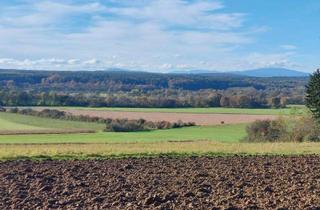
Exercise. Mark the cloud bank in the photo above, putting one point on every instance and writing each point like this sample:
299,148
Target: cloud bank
153,35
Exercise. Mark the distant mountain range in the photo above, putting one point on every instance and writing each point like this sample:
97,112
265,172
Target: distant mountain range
262,72
271,72
193,71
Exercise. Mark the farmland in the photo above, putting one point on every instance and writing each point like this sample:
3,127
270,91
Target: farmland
291,109
190,167
162,105
163,183
210,127
213,132
213,139
205,166
12,121
70,151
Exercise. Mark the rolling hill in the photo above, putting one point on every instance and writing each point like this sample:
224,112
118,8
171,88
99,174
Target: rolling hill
271,72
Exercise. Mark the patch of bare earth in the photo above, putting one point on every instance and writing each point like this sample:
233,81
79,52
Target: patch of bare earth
199,119
163,183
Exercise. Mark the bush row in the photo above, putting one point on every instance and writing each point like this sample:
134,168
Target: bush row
125,125
114,125
280,130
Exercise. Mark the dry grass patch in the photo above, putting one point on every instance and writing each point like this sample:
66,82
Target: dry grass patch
142,149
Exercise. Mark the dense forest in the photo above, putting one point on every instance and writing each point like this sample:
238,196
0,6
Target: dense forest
141,89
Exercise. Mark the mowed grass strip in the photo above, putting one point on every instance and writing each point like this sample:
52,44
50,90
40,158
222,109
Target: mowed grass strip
291,110
143,149
11,121
223,133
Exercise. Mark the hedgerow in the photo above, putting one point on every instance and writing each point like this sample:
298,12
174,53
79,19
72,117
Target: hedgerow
112,125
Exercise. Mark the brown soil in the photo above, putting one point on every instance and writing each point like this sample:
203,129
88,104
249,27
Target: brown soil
199,119
163,183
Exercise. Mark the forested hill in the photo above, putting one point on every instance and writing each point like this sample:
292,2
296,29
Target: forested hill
141,89
110,81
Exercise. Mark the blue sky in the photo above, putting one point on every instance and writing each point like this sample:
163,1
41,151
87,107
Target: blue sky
159,35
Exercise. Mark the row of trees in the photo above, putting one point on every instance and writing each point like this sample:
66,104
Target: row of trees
125,81
156,99
141,89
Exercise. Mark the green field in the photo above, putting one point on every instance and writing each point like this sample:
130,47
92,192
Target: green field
7,124
10,121
294,109
226,133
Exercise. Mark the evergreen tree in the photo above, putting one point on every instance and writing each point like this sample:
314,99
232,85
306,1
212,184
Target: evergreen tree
313,94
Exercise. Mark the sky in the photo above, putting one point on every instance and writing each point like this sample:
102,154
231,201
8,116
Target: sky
160,35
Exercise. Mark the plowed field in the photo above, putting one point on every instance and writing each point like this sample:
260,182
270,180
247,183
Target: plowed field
163,183
199,119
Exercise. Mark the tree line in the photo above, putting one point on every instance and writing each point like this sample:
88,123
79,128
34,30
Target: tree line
141,89
208,98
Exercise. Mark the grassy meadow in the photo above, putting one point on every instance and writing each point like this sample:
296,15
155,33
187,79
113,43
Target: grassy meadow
11,121
223,133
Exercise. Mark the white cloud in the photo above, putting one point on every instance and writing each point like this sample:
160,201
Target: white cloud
194,14
44,13
259,60
144,35
73,61
91,62
253,60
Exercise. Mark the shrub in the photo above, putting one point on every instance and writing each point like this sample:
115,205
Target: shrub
52,113
305,129
299,130
266,131
13,110
125,125
27,112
